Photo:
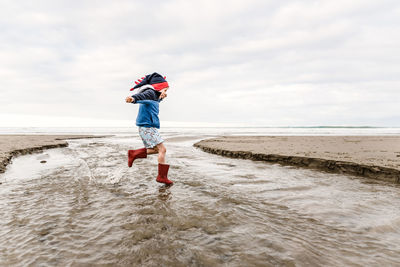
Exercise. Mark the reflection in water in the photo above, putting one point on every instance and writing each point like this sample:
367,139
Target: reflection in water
164,192
85,206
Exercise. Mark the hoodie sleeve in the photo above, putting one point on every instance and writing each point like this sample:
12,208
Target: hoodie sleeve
147,95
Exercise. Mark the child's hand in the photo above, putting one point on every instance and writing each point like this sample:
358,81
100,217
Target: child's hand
129,99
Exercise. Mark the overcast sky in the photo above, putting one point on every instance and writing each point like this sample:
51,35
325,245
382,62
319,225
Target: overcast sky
259,63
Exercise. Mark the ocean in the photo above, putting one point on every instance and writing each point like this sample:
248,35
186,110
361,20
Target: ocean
320,130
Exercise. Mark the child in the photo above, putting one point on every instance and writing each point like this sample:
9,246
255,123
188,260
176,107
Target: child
151,87
148,122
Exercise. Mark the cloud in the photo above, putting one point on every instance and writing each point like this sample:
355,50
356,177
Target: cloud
260,62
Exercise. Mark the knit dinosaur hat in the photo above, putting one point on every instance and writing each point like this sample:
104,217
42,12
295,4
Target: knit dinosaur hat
155,80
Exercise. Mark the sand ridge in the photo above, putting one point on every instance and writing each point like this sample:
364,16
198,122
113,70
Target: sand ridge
370,156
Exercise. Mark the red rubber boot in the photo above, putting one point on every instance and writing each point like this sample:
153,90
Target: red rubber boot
162,174
134,154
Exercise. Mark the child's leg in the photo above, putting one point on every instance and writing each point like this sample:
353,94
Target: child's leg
161,153
153,150
148,140
162,167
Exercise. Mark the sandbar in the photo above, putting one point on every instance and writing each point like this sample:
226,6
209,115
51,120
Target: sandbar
13,145
368,156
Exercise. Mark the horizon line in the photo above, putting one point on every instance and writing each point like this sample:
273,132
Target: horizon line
314,126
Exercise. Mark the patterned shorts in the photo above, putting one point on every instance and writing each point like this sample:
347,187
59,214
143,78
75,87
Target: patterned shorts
150,136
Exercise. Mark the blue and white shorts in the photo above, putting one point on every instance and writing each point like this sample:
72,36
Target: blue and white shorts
150,136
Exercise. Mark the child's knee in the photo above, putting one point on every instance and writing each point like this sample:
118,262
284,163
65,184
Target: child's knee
162,149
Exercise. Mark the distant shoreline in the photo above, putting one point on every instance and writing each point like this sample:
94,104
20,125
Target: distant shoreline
21,144
216,126
368,156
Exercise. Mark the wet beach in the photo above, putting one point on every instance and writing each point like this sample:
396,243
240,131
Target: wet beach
84,206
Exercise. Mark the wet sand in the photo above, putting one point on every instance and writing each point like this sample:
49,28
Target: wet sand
369,156
13,145
85,207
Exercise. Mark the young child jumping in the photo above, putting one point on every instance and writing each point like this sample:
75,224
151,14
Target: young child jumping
148,122
151,87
